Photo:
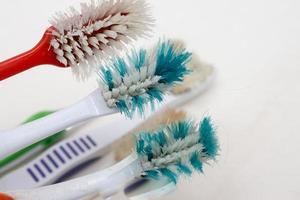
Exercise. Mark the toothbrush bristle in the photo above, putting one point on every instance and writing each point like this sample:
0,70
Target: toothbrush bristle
82,39
143,77
176,149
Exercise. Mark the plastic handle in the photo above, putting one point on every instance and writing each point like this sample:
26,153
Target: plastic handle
107,182
30,133
40,54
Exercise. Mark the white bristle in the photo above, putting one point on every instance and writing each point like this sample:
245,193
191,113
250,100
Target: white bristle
94,42
87,50
67,48
100,28
61,59
59,52
101,38
111,34
119,28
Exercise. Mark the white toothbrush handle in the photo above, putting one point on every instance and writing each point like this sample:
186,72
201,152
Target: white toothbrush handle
30,133
107,182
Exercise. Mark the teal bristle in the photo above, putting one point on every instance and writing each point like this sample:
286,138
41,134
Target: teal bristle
107,77
120,65
208,137
177,149
156,96
196,162
161,139
153,174
142,78
138,103
171,64
123,107
138,58
180,130
184,169
172,176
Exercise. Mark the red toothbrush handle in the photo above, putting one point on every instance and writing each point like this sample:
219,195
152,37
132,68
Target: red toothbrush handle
41,54
5,197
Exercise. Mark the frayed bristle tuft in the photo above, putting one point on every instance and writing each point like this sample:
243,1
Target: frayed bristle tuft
143,77
82,39
177,149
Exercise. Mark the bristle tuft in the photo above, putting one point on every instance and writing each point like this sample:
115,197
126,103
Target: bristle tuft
177,149
208,137
101,27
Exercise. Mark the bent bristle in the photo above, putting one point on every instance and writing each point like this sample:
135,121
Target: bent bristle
143,77
101,27
176,149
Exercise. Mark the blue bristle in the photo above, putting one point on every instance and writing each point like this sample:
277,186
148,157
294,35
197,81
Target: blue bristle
121,66
161,138
138,103
208,137
169,174
171,65
143,146
138,58
122,106
196,162
183,169
107,76
140,145
148,152
180,130
153,174
145,136
155,96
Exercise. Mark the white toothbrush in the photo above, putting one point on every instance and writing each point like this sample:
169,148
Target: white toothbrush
127,86
169,152
35,173
65,155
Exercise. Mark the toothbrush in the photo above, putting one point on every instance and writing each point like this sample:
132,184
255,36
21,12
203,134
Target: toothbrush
81,39
57,160
21,156
169,152
127,86
36,178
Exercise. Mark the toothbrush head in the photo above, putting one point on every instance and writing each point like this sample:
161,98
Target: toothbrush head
143,77
81,39
178,148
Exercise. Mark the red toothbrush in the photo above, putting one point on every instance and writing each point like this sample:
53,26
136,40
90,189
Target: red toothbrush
82,39
40,54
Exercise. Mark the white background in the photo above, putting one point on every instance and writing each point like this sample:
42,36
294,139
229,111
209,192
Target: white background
255,100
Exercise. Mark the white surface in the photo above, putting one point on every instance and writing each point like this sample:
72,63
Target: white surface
255,101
